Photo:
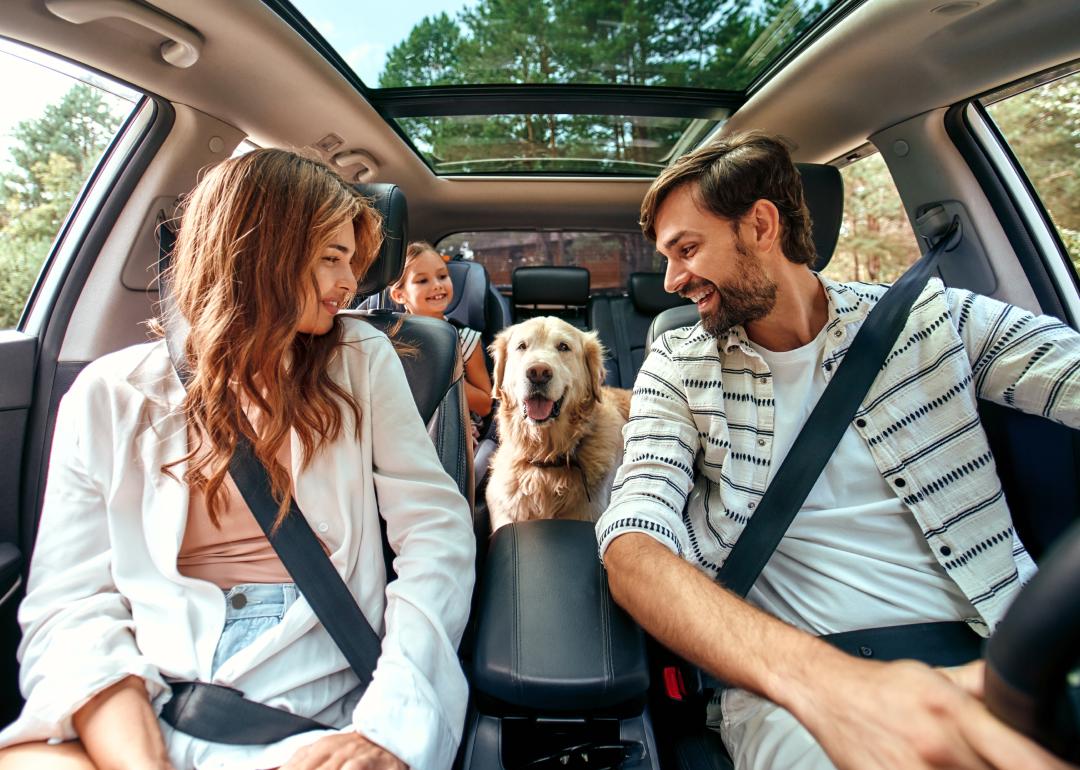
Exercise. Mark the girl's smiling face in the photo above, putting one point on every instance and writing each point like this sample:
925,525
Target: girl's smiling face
425,288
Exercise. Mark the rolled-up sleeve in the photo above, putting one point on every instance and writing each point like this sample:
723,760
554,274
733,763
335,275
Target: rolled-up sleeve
1018,359
78,633
660,444
415,704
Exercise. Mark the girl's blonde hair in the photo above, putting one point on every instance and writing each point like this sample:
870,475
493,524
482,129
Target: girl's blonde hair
250,234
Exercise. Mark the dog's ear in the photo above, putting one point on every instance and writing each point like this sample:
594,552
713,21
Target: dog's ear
594,362
497,351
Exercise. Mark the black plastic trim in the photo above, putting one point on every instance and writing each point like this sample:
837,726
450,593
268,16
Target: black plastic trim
42,414
1005,207
443,101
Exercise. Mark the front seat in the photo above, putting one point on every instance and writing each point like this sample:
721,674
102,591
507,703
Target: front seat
429,349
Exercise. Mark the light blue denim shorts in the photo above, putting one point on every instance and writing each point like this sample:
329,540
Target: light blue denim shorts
251,609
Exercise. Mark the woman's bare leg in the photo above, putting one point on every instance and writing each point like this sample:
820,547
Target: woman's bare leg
32,756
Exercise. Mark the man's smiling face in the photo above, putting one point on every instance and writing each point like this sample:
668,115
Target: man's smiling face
709,263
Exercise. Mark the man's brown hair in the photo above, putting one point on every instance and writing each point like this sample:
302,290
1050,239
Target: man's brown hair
731,174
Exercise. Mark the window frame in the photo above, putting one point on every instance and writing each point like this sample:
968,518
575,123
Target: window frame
1033,235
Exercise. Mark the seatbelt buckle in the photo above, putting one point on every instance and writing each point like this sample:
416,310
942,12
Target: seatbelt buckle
674,684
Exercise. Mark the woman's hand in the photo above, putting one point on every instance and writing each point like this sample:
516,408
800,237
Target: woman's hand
343,751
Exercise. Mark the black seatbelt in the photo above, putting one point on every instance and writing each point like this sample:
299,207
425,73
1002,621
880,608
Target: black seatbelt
837,407
197,707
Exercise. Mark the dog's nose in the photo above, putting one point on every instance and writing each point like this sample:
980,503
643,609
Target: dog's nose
539,374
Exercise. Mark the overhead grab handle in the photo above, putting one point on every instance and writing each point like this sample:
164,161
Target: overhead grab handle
183,47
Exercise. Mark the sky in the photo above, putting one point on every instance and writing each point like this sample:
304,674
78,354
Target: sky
364,32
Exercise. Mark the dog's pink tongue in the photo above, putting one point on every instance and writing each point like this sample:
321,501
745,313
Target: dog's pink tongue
539,409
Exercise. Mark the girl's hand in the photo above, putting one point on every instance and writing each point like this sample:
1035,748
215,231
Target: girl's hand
343,751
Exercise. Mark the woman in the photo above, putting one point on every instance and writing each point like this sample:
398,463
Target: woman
149,567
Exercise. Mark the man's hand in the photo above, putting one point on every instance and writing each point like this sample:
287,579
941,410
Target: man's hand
343,751
908,715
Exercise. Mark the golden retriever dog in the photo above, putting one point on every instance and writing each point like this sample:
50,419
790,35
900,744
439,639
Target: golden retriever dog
560,429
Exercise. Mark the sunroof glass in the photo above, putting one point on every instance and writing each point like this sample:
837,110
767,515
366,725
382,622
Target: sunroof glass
566,144
673,43
434,65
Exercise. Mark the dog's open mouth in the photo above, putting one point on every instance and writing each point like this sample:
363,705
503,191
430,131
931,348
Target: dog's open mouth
540,409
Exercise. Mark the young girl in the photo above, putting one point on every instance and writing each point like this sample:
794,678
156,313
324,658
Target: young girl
149,567
425,288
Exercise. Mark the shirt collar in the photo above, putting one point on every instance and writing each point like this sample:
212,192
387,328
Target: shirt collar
846,306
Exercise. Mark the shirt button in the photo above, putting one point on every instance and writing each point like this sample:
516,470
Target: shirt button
945,550
828,366
751,506
900,482
323,526
838,333
860,423
866,652
762,442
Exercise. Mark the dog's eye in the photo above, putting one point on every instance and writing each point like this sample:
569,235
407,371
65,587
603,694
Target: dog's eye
563,347
522,345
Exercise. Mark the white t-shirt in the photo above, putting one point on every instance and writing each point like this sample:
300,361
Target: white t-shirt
854,556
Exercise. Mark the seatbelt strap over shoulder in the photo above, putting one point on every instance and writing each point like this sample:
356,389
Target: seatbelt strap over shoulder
828,422
197,706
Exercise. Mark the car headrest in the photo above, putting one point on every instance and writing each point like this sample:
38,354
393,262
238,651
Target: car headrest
647,293
551,286
389,201
673,318
470,282
824,191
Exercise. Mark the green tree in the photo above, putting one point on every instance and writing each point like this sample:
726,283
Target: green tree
1042,126
876,241
429,56
51,157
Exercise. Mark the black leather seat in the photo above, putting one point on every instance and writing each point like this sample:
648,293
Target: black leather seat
430,353
623,322
549,290
476,303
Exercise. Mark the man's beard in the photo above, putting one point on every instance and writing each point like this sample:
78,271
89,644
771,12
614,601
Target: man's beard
749,296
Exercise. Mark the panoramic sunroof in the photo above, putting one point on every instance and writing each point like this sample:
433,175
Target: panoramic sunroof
554,86
557,144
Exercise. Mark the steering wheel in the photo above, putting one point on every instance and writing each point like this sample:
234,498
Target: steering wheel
1033,658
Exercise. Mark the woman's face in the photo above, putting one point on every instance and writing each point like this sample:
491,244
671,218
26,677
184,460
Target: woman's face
425,288
335,280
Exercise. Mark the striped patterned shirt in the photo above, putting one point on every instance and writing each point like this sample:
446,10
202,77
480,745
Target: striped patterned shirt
698,446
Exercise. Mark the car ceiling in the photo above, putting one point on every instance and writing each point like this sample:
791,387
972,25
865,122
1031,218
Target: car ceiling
884,62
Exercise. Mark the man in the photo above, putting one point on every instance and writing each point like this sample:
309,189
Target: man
907,523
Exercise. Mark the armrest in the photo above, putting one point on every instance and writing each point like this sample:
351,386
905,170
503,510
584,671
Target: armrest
549,636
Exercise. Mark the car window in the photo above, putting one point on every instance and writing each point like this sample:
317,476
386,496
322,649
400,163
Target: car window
609,256
57,122
876,241
1042,127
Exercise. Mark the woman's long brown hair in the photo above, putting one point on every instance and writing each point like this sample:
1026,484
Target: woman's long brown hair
250,235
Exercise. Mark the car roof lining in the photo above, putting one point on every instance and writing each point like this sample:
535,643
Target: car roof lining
881,64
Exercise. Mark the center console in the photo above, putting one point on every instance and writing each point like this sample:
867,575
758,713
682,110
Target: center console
559,672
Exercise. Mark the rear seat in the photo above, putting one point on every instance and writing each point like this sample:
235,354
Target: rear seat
476,303
559,291
622,323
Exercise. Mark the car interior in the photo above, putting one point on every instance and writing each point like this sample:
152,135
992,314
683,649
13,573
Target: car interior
553,664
